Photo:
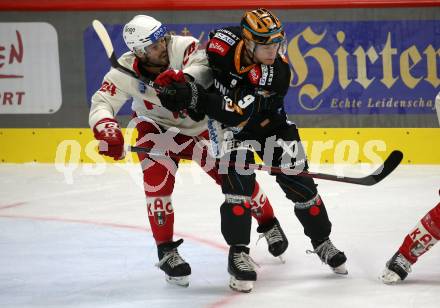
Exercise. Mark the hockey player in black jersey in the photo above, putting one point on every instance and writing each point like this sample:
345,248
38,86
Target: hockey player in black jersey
251,78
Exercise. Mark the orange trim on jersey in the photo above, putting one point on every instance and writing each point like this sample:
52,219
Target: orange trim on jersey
237,58
284,58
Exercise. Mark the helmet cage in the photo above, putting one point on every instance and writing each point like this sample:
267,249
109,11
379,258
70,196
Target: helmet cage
253,46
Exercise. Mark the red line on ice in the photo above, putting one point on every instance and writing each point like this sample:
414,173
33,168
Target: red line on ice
8,206
225,300
115,225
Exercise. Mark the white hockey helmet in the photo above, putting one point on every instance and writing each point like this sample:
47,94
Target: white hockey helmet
142,31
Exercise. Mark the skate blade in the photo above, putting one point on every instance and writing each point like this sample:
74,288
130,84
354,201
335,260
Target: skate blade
244,286
281,257
182,281
389,277
340,270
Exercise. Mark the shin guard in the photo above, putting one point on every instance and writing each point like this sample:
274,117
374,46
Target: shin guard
236,222
314,219
423,236
161,217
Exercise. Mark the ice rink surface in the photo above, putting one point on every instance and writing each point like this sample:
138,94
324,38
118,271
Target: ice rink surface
83,240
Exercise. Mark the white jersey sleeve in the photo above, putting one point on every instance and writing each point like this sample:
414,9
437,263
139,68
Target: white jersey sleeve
117,88
108,100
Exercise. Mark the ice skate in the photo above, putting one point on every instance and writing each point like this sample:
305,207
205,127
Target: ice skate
276,239
396,270
241,268
176,270
331,256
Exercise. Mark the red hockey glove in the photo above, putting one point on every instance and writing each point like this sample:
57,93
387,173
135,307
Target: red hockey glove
169,76
111,141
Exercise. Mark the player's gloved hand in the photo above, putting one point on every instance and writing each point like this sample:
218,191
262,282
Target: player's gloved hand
179,96
169,76
111,141
195,115
266,101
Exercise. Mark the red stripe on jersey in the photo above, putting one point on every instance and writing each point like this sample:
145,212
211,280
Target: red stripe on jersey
135,66
189,50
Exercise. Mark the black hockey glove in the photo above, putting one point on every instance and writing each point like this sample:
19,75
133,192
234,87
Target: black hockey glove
262,100
195,115
269,103
181,96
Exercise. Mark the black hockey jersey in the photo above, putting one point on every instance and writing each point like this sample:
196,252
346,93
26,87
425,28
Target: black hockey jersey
224,51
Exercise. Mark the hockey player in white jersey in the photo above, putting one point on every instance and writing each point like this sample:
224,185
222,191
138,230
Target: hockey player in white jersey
164,58
417,242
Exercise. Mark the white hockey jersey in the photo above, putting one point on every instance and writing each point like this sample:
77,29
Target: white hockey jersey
117,88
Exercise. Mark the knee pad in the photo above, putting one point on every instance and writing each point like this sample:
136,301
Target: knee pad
159,177
314,219
236,220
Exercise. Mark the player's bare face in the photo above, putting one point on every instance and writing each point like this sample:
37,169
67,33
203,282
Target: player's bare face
157,54
266,54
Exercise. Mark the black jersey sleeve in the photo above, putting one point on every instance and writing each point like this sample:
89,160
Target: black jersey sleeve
233,109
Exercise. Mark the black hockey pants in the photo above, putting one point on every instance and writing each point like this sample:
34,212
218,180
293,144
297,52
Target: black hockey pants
282,149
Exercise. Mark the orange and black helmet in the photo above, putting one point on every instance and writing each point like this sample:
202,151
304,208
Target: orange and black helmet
262,27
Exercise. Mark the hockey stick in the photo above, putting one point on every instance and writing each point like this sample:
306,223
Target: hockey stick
108,46
390,163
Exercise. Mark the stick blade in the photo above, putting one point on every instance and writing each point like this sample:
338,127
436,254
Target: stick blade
104,37
389,165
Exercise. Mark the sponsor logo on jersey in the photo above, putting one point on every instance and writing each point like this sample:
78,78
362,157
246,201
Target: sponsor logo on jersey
269,80
254,75
264,74
218,47
142,87
229,33
213,136
225,38
220,87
